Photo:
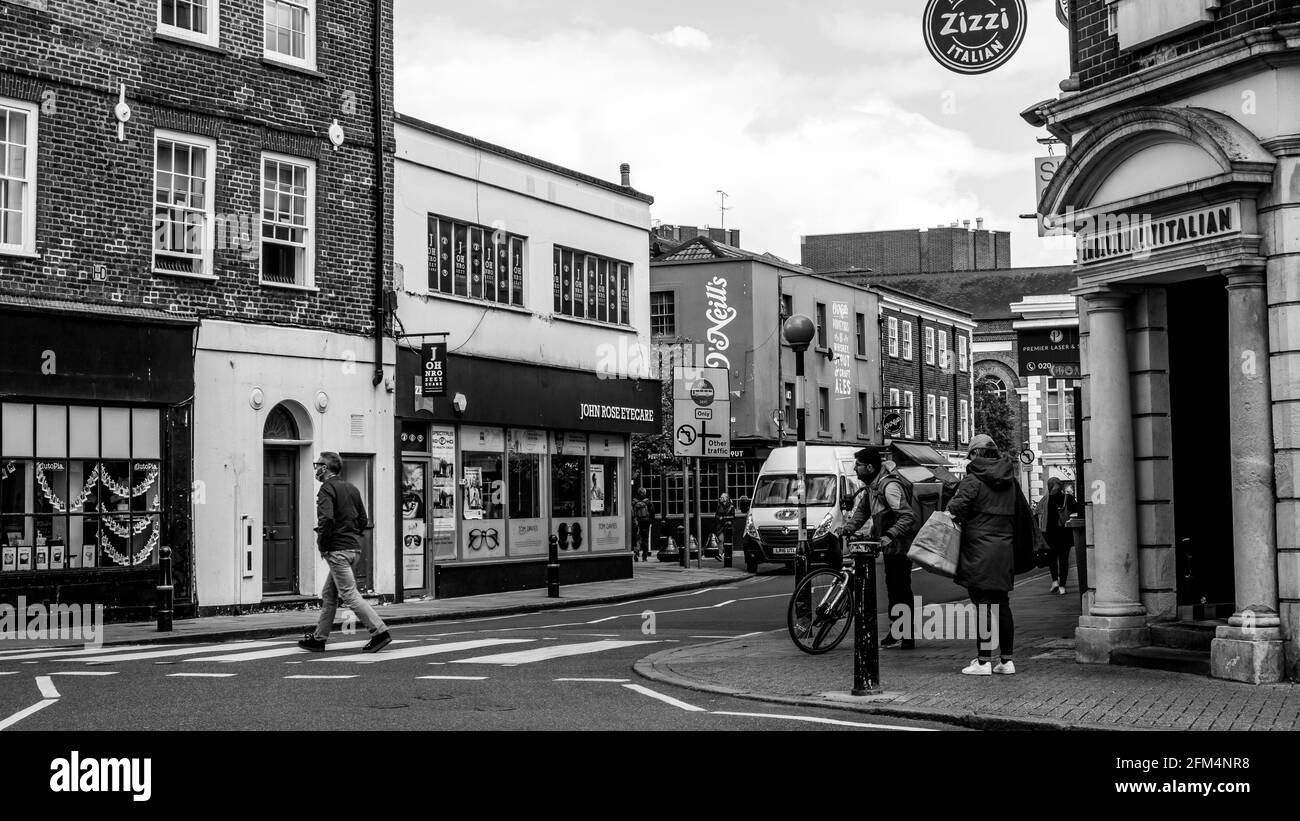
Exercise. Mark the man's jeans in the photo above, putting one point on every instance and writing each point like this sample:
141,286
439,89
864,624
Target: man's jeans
342,586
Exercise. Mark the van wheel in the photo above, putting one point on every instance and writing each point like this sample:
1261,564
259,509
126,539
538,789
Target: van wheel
751,566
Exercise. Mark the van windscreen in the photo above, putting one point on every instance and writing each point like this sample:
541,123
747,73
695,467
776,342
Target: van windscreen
783,490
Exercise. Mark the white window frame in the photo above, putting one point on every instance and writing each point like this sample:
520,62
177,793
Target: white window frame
309,261
909,415
943,419
963,354
211,38
671,315
860,334
907,340
1062,392
26,246
209,211
931,428
823,407
963,420
308,60
929,346
893,398
944,361
863,415
893,336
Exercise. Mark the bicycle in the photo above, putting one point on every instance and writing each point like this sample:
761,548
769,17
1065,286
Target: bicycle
819,628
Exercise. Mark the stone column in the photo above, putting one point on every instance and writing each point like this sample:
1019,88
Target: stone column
1117,618
1249,649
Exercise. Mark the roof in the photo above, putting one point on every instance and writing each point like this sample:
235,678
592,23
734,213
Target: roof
884,289
703,249
120,311
984,294
474,142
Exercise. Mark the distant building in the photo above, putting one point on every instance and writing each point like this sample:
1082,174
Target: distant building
908,251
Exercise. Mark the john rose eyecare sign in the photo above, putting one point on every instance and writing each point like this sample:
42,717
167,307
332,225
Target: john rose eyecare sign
433,361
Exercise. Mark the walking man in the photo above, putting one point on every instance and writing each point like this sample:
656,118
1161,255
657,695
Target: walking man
340,520
885,502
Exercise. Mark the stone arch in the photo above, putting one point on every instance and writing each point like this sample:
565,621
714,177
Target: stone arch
292,412
1230,146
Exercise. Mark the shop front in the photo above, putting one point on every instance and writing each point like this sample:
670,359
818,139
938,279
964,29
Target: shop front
95,457
506,458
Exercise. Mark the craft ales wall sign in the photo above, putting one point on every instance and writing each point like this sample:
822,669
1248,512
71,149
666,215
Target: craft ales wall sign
973,36
1136,235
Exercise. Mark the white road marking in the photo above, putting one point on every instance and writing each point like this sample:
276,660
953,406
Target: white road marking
711,637
605,680
46,685
21,714
747,635
599,635
186,651
199,675
276,652
544,653
773,596
424,650
607,618
454,678
93,651
84,673
646,691
9,673
819,720
330,677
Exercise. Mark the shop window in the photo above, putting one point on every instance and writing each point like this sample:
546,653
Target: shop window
290,32
588,286
476,262
288,217
68,503
568,477
524,487
483,484
603,486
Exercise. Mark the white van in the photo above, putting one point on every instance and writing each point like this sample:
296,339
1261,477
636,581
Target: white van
772,526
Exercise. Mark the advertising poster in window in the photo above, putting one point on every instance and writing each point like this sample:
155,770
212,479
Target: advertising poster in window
489,266
413,553
473,493
433,253
579,291
461,261
527,529
841,336
615,293
517,273
591,287
442,492
444,282
476,262
602,291
624,273
503,267
596,485
566,282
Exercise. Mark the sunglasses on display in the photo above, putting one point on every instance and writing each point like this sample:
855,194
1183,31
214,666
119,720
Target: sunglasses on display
478,539
413,541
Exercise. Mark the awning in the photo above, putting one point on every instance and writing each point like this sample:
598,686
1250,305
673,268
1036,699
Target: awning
919,454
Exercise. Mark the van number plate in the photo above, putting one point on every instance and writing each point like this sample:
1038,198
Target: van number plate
783,551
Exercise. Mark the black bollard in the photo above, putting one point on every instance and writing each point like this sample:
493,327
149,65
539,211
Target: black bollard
165,590
726,544
553,568
866,643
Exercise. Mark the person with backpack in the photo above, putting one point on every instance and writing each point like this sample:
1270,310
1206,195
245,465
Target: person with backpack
1053,510
722,513
641,516
888,502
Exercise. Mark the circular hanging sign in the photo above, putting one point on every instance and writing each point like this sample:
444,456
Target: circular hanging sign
702,392
893,425
973,36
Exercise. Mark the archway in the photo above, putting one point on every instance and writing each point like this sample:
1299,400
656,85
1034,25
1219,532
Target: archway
282,442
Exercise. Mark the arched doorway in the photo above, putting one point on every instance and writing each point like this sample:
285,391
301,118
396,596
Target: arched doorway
282,442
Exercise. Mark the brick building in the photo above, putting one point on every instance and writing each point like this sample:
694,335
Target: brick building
190,281
942,248
1180,123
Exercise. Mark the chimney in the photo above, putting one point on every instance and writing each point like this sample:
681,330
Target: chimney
979,223
965,224
626,171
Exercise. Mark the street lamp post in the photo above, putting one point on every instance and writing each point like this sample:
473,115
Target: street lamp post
799,331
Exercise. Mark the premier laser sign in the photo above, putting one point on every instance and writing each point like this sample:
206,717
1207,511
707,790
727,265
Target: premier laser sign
1123,235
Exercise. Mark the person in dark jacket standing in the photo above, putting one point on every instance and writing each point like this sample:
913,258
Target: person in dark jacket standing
985,505
1053,511
884,500
340,520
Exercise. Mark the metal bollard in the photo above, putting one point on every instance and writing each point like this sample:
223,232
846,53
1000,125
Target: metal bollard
165,590
726,545
553,568
866,643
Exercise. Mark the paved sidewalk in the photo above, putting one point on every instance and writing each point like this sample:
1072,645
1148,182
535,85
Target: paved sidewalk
648,579
1050,690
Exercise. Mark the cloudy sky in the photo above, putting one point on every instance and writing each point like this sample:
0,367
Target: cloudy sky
815,117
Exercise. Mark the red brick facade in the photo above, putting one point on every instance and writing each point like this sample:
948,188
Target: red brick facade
95,193
923,379
945,248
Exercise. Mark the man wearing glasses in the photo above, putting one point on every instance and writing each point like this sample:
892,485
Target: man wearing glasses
340,520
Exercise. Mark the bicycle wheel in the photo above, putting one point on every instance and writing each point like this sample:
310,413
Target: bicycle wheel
820,612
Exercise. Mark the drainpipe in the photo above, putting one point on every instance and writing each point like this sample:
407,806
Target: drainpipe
381,217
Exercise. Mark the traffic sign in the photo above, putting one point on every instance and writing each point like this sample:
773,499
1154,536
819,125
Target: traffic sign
701,412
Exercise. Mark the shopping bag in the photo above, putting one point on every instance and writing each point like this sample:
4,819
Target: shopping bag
936,545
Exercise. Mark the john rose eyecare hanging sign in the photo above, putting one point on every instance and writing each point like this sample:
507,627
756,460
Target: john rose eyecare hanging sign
433,361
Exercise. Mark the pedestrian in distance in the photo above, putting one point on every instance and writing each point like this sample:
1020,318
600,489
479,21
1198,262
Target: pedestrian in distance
340,521
985,505
885,502
722,513
1053,510
642,514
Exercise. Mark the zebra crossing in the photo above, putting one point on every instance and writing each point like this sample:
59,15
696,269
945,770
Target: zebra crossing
494,651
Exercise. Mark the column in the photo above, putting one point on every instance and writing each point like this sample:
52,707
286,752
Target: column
1117,618
1249,649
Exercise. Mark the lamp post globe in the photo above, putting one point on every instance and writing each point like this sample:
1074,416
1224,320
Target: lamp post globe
799,331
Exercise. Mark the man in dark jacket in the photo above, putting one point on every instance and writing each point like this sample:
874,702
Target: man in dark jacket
985,505
885,501
340,520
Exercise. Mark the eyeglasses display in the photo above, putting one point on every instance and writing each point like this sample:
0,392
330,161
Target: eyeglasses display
484,538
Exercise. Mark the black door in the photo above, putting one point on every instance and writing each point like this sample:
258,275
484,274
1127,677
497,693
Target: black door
280,521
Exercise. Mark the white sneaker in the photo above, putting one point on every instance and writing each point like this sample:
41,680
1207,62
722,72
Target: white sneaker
1061,591
1005,668
1055,586
978,668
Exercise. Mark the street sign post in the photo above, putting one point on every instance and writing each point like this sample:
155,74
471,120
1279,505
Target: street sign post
701,412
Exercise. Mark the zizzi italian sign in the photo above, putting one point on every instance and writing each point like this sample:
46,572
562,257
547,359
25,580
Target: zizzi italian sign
973,36
1123,235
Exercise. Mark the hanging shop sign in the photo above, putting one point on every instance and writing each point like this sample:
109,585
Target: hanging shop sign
1040,351
433,367
973,36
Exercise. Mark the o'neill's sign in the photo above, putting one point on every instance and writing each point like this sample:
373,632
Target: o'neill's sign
1122,235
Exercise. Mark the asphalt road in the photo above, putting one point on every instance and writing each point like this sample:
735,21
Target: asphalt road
565,669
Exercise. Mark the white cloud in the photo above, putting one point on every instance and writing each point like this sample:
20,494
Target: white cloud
685,37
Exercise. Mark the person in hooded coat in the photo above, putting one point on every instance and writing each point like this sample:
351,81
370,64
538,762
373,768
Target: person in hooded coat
985,505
